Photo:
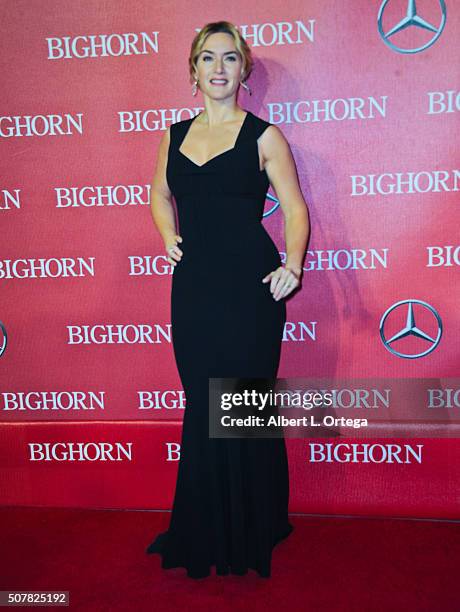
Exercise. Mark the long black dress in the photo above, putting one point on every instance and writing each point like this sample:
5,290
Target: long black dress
231,499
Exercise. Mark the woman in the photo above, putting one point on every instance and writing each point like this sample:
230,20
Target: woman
227,310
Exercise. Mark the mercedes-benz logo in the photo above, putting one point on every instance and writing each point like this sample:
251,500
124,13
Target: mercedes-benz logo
274,207
411,19
410,329
3,338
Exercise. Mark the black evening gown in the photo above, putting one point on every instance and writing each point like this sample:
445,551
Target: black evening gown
231,499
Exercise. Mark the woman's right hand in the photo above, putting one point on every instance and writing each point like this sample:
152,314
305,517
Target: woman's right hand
174,252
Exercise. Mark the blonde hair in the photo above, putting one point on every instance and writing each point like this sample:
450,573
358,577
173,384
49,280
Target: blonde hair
240,44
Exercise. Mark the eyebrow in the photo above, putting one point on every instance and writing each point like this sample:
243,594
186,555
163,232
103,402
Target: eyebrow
208,51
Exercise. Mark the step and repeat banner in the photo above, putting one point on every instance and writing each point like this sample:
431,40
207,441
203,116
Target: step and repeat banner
368,95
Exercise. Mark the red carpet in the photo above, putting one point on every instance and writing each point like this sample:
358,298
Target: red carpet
336,564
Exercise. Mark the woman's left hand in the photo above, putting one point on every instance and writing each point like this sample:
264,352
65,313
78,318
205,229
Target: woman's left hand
283,281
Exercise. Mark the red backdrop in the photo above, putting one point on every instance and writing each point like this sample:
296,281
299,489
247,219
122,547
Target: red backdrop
372,118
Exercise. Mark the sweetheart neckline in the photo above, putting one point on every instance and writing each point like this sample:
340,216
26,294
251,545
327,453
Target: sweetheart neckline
240,131
218,155
209,160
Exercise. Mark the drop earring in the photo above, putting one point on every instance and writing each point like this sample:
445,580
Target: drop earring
194,88
247,88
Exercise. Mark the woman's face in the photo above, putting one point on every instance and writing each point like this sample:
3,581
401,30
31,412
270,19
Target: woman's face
219,61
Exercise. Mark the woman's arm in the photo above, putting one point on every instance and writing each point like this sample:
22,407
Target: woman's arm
161,205
282,174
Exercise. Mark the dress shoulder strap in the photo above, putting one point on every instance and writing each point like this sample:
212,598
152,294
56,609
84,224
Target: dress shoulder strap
260,125
178,130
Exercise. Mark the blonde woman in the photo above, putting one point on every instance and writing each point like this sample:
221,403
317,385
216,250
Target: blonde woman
227,308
